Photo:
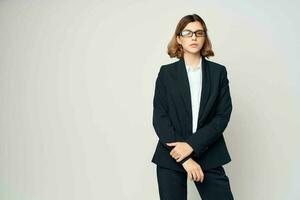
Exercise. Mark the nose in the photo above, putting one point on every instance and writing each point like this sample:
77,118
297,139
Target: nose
194,36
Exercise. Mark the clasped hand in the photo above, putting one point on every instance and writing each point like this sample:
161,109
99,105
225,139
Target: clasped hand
180,151
193,169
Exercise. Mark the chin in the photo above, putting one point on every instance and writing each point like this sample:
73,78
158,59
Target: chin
194,51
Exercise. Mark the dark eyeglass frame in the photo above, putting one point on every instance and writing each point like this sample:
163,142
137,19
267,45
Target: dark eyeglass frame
198,33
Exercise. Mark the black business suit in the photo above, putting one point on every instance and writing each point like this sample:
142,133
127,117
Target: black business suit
172,117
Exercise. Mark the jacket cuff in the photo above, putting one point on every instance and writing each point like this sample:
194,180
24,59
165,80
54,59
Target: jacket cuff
198,150
186,158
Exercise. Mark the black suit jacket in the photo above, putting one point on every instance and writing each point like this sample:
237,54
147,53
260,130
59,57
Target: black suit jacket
172,114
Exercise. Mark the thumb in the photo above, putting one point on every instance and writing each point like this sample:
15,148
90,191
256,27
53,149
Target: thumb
172,144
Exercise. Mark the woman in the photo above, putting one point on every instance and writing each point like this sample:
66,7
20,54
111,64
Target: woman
191,109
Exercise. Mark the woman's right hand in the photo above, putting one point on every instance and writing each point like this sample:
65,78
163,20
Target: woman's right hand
193,170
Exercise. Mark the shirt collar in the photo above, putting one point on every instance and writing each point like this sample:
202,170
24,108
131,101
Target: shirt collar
189,68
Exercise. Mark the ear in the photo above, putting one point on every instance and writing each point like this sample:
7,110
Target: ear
178,39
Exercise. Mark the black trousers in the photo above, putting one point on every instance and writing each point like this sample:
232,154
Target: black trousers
172,184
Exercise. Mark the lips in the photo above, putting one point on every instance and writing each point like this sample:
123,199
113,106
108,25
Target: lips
193,45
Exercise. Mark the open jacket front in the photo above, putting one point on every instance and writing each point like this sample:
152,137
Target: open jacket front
172,114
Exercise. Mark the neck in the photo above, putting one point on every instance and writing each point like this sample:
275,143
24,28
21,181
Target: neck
192,59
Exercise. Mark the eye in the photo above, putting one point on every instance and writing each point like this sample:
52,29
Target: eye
200,33
185,32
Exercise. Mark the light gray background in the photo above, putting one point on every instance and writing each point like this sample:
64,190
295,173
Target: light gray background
77,82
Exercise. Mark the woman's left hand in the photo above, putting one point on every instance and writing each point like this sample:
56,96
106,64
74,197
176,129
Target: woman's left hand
180,151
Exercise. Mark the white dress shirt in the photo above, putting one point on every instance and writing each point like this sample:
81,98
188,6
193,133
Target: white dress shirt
195,80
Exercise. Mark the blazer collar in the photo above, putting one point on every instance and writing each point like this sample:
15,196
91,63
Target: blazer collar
188,67
184,87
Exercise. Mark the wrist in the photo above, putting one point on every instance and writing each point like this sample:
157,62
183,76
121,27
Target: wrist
186,158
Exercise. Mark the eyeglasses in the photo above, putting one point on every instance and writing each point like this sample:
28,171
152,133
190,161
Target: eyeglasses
188,33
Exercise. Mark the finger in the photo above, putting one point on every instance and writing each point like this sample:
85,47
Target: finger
172,144
175,156
202,177
194,175
173,153
190,176
179,159
178,155
198,175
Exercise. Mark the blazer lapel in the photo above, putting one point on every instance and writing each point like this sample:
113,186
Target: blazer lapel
184,87
206,84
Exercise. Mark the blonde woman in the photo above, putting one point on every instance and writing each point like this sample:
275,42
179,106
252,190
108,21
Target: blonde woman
191,109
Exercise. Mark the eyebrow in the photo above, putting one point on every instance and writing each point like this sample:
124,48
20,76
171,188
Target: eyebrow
195,30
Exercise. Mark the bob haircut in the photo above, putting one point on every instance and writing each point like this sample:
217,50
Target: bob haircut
176,50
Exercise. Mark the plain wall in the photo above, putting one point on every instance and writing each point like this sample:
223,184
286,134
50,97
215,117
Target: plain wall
77,83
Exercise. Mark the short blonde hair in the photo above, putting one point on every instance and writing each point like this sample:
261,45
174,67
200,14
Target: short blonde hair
176,50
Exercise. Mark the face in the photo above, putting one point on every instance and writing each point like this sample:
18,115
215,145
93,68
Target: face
192,44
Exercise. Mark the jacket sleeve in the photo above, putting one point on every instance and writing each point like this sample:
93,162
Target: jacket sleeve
160,120
210,132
